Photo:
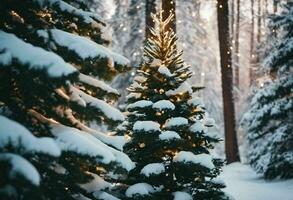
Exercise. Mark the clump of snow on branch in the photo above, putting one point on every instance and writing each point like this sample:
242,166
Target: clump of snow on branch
152,169
109,111
20,166
182,196
11,47
96,184
146,126
97,83
18,136
188,157
176,121
164,104
195,101
142,189
71,139
88,17
140,104
169,135
197,127
165,71
184,87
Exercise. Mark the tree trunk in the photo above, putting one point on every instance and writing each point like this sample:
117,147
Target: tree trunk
258,37
258,34
236,61
150,7
232,154
252,56
265,12
197,6
169,6
232,18
275,6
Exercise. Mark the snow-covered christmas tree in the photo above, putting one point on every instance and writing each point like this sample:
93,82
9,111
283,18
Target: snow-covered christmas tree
269,120
168,128
53,59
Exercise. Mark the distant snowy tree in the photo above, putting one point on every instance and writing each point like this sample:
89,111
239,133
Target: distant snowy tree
128,23
168,128
269,120
53,63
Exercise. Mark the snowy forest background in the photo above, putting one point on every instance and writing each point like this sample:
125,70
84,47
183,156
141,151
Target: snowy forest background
197,24
70,74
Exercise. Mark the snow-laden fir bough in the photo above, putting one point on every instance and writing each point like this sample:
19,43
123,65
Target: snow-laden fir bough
53,63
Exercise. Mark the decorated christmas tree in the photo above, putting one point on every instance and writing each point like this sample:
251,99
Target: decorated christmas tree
167,127
53,63
269,118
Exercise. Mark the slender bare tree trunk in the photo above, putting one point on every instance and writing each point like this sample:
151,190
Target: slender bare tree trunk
252,56
150,7
232,18
275,10
197,6
265,12
232,154
275,6
169,6
237,29
258,37
258,33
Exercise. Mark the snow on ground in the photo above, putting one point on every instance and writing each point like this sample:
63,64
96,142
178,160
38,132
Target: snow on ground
244,184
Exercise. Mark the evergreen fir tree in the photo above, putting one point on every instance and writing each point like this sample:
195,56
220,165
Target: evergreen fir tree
269,120
52,55
168,127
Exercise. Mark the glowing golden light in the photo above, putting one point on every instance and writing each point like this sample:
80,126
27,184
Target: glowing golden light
173,153
100,169
127,137
141,145
196,110
158,113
